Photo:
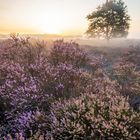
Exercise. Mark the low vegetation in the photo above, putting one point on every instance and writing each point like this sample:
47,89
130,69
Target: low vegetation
67,93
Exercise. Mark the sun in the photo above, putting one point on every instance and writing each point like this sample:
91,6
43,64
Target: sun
50,30
49,26
49,21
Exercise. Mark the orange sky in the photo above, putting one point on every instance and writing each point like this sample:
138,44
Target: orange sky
56,16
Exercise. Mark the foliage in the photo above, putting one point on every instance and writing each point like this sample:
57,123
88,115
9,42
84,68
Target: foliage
65,93
126,72
69,53
96,116
132,54
109,20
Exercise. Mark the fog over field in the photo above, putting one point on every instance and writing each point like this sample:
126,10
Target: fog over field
69,70
81,40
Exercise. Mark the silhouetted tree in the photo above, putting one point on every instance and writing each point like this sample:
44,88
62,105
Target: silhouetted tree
110,20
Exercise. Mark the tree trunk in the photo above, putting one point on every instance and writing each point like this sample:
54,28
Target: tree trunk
107,33
107,29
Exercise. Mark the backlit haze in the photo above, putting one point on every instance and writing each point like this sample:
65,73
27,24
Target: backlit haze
64,17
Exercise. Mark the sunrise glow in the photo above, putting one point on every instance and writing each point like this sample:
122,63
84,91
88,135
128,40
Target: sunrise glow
55,17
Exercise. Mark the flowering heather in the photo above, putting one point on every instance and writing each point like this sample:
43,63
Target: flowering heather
66,93
132,54
22,50
69,53
95,116
128,76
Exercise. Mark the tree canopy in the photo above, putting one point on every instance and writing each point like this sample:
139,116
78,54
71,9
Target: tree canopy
109,20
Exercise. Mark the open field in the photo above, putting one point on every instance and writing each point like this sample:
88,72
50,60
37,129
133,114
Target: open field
69,70
54,90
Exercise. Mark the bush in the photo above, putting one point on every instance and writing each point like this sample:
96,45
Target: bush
22,50
95,116
68,53
65,93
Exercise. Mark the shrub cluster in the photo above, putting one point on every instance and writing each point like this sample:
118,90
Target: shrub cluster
65,93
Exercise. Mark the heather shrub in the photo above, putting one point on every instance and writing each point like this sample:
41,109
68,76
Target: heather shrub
128,76
24,86
61,81
68,53
95,116
100,83
20,92
132,54
17,84
65,93
22,50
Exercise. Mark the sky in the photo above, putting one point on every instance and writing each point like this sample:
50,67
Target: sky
66,17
